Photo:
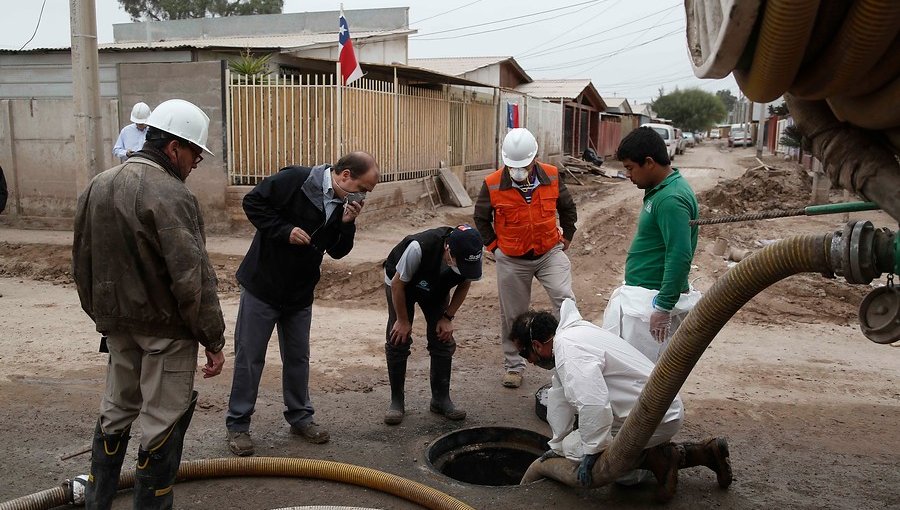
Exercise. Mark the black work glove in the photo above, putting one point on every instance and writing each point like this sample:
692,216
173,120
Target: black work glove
549,454
585,469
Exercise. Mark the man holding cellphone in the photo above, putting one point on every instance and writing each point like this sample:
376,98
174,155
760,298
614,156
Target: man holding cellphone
300,213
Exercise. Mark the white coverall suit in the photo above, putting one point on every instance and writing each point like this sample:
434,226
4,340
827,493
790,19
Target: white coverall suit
599,376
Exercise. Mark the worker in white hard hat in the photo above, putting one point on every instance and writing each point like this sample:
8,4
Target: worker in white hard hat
131,138
144,278
516,214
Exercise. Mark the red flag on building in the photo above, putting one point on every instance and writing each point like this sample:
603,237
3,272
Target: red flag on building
350,69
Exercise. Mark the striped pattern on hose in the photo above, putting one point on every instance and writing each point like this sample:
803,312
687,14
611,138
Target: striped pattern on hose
783,37
777,213
398,486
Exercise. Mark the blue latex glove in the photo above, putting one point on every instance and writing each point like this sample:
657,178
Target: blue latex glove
549,454
585,469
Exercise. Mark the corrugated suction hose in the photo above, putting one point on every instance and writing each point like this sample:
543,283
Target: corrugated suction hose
734,289
271,466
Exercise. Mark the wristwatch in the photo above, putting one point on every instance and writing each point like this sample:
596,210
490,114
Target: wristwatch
448,316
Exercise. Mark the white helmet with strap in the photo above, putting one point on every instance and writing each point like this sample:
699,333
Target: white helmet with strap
182,119
519,148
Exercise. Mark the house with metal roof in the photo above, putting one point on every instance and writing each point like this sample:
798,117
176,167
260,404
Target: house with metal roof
501,72
582,106
290,114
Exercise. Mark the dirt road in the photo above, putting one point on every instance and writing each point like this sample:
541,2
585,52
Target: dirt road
808,404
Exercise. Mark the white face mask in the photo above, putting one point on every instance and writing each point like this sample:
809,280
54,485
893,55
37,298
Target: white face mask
518,174
455,269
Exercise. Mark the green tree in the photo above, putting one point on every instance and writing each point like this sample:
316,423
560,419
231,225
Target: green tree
728,99
157,10
690,109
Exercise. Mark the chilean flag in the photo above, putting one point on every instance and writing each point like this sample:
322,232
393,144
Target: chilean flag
350,69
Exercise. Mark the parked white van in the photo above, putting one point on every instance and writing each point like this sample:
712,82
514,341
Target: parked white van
667,133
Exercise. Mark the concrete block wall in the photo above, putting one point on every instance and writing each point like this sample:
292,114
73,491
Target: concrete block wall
200,83
38,156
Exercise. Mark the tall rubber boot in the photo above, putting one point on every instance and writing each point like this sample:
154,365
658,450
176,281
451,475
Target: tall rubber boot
107,455
712,453
663,461
157,468
397,377
440,389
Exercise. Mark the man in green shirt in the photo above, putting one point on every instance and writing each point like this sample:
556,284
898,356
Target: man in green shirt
656,295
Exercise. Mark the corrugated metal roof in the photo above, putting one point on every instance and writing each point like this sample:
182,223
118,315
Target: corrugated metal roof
555,89
288,41
619,103
456,66
259,41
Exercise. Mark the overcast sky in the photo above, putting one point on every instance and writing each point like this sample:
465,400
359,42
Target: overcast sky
626,47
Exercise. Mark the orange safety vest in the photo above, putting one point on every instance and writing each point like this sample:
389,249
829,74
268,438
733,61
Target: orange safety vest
521,227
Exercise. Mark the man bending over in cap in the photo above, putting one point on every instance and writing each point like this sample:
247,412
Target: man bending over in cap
423,269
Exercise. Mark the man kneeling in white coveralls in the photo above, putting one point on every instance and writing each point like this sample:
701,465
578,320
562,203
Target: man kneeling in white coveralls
599,377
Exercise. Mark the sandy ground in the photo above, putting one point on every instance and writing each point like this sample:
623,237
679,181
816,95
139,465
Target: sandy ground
808,404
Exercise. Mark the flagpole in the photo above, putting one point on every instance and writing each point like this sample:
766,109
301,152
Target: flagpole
340,111
340,93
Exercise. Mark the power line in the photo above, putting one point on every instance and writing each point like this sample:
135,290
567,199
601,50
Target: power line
40,16
445,12
498,21
598,34
557,36
628,46
600,58
551,51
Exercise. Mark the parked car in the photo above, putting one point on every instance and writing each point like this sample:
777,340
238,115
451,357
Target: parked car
667,133
739,138
714,134
690,140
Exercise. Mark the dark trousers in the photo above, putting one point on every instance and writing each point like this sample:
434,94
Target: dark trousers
433,309
255,322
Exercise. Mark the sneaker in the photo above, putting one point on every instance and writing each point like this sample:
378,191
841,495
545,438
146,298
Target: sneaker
240,443
512,379
312,432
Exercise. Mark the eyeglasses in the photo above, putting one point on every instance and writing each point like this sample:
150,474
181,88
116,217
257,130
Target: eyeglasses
197,152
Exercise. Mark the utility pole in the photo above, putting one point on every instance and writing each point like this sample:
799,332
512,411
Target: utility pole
89,148
760,131
748,131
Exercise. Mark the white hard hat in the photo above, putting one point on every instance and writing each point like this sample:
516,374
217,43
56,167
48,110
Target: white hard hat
183,119
519,148
139,113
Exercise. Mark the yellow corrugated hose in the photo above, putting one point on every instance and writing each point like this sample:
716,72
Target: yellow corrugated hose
734,289
398,486
783,37
856,57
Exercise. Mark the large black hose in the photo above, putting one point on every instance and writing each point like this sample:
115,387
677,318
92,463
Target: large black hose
735,288
271,466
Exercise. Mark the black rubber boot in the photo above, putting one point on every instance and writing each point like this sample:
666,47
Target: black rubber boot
440,389
397,377
712,453
157,468
663,461
107,455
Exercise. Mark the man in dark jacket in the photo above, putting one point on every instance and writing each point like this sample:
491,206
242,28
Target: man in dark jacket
423,269
300,214
144,277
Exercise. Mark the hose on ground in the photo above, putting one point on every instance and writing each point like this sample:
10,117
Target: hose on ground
398,486
734,289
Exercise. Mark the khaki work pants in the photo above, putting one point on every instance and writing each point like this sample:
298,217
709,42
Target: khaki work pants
150,377
514,276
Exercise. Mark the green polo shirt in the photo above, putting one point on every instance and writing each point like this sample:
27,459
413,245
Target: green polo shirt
661,252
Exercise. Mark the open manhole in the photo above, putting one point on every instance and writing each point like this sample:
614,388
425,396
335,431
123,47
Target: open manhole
493,456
